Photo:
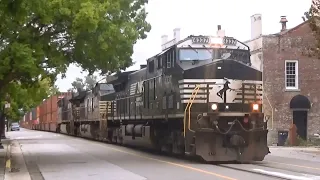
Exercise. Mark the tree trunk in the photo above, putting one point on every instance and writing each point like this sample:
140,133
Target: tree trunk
2,117
2,125
2,122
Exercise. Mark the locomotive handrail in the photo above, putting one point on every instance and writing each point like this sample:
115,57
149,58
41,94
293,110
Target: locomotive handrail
188,107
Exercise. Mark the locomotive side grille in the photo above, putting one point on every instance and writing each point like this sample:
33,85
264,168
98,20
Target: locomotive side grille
186,90
133,88
250,92
111,105
247,91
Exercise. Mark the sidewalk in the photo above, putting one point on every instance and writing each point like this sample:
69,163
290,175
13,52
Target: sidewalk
15,168
303,153
4,154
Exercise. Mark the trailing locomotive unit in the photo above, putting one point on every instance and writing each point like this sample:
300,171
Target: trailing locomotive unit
200,96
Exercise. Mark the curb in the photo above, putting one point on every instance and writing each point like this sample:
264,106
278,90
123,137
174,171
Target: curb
8,158
15,165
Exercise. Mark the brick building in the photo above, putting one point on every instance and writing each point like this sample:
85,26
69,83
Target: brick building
291,77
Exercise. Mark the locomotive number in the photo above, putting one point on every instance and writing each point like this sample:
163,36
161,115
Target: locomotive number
229,41
200,40
211,153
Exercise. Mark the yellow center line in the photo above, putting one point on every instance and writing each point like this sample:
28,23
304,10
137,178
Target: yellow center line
294,165
168,162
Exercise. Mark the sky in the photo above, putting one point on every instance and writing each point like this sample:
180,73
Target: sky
201,17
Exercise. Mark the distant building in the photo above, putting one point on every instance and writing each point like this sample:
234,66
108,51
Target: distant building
291,77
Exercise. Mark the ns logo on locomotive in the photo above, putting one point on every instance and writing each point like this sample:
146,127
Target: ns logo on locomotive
201,96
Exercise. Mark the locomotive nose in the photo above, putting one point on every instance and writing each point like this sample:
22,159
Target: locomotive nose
237,140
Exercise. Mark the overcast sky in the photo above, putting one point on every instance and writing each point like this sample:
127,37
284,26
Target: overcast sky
201,17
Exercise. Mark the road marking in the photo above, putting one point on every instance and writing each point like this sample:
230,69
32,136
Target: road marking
8,156
175,164
28,137
307,167
286,176
168,162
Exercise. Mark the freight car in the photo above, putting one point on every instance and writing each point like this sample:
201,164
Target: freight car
201,96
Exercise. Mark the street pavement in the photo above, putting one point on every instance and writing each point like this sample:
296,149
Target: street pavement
38,155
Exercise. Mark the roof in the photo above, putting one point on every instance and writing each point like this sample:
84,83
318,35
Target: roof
79,97
121,77
289,30
282,32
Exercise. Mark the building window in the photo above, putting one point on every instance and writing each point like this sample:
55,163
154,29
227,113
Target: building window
291,73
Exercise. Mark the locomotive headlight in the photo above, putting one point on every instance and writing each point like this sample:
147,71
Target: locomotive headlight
227,107
214,107
216,40
255,107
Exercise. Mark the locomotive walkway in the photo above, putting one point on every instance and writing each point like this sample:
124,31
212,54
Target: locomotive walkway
49,156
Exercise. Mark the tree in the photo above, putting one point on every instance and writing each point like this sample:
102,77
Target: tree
90,81
87,83
23,98
306,16
40,38
313,16
78,84
53,90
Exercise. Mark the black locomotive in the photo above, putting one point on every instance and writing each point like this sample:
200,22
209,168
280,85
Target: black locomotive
200,96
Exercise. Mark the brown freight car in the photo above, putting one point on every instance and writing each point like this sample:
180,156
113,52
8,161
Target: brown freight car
47,120
37,122
45,116
27,119
23,122
54,113
35,118
42,117
50,112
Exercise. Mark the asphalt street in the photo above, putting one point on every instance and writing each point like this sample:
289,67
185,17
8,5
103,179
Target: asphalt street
41,155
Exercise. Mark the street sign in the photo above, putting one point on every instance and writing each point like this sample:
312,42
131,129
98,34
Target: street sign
7,105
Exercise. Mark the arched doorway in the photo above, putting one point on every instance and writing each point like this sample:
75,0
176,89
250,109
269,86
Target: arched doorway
300,106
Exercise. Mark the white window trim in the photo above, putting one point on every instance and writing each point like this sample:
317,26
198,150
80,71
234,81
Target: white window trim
297,74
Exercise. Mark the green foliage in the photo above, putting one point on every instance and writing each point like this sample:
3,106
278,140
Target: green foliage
78,84
90,81
22,97
40,38
84,84
53,90
312,141
314,24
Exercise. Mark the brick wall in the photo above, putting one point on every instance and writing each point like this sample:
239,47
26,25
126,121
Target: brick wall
295,44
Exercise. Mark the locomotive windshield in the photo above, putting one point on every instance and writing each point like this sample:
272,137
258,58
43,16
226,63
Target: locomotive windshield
106,87
205,49
198,54
195,54
232,54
